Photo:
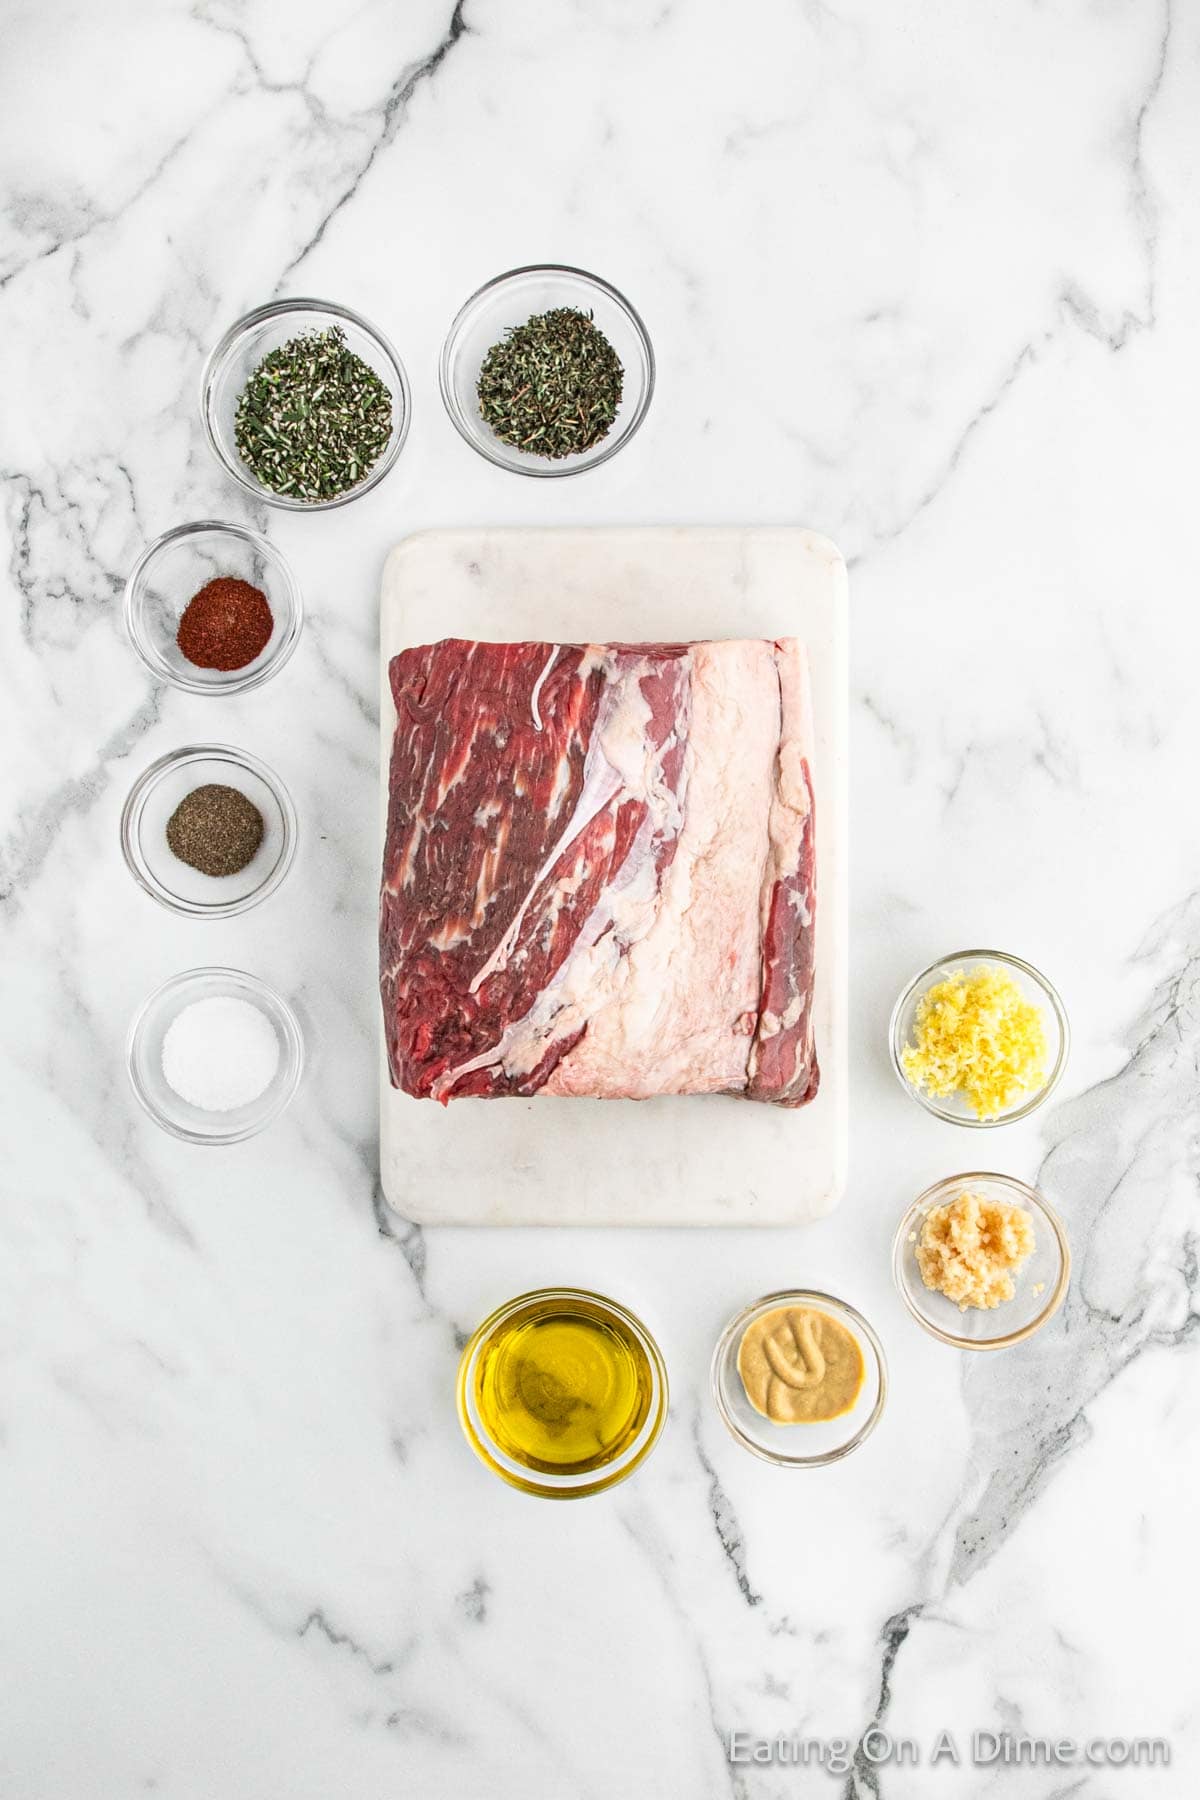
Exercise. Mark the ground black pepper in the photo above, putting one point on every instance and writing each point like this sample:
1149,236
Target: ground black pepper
215,829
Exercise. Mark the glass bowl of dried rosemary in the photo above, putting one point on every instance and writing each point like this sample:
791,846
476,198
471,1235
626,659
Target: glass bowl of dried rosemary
305,404
547,371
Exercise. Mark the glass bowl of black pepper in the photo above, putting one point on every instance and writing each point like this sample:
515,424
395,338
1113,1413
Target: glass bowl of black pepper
208,831
547,371
305,404
213,608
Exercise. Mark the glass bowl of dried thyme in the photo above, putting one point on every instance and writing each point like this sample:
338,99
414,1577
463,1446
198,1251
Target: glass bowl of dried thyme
305,404
547,371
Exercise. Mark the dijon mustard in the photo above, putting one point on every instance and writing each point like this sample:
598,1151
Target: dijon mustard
800,1366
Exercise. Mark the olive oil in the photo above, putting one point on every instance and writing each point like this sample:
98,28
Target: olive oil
562,1385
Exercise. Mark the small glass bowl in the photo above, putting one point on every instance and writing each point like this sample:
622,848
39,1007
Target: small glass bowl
1041,1284
955,1108
799,1446
239,353
509,301
158,1097
175,884
545,1483
174,567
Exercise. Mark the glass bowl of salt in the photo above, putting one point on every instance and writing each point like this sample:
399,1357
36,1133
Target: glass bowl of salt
215,1055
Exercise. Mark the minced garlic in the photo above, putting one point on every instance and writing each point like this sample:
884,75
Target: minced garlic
977,1035
970,1249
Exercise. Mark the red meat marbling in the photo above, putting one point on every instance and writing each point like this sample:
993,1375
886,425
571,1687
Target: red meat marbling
599,872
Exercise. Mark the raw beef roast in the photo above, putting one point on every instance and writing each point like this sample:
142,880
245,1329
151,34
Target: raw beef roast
598,876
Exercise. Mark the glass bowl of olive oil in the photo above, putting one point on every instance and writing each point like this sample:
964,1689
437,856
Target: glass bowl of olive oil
562,1393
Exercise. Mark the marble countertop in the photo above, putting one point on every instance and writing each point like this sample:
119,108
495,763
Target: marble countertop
923,278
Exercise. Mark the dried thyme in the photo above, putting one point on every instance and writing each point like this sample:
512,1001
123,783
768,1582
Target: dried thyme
552,386
314,418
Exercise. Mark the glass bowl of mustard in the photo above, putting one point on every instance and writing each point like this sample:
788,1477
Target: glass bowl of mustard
562,1393
981,1261
799,1378
979,1038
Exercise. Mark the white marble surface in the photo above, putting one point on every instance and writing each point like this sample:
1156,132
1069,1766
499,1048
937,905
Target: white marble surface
923,277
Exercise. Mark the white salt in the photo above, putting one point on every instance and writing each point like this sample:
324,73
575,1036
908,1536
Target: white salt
220,1053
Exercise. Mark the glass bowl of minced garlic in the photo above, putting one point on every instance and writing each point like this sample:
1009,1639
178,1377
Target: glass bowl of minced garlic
979,1038
981,1261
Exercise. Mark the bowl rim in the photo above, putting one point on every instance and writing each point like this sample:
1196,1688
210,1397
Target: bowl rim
547,470
930,1103
293,1036
239,681
739,1322
140,869
916,1209
332,309
537,1483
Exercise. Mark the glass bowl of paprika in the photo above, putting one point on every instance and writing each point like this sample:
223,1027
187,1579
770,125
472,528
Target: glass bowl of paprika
213,608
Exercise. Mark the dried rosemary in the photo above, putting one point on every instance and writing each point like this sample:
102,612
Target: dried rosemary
552,386
314,418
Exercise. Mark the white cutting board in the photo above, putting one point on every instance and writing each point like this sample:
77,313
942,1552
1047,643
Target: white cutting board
687,1160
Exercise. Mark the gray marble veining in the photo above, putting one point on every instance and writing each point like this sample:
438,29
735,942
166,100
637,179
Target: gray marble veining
920,278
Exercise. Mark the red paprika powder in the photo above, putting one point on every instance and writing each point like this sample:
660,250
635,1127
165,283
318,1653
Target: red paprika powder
226,625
